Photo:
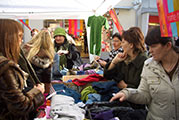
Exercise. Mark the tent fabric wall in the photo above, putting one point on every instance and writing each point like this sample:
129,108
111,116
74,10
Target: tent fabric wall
54,9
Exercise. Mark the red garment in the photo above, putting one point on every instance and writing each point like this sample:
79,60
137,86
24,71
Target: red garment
90,78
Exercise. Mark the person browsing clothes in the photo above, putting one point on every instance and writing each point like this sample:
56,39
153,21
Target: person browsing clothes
158,88
116,42
69,55
16,104
126,67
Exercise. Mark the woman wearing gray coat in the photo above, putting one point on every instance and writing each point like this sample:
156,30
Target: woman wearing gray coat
159,80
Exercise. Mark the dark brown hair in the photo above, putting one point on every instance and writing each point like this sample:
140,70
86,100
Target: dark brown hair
118,36
33,30
9,38
135,36
154,37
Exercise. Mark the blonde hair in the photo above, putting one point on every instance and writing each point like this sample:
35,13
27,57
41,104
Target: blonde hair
42,41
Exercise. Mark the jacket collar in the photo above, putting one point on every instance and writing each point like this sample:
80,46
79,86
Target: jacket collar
156,65
139,60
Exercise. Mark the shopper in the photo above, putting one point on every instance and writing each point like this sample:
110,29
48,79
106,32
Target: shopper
34,32
40,52
126,67
116,42
160,80
69,55
16,104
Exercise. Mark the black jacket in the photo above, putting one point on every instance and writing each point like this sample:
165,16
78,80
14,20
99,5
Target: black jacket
73,58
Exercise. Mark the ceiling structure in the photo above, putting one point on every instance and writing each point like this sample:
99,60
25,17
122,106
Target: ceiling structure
54,9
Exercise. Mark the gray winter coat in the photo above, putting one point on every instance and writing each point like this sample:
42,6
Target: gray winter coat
157,91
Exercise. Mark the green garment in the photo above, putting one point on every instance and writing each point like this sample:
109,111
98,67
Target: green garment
96,23
86,91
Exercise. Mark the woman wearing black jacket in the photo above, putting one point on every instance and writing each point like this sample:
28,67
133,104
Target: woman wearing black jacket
68,53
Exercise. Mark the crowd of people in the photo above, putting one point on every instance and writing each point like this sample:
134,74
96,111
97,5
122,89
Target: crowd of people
26,70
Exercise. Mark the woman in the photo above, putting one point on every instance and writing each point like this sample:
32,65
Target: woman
69,55
34,32
160,80
15,103
126,67
117,48
40,52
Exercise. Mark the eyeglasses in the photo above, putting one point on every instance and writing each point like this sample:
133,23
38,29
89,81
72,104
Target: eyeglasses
115,41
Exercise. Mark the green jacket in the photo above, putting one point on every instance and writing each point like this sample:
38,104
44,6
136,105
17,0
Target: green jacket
130,73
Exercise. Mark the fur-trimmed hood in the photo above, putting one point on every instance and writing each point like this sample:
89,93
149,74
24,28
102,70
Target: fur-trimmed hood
41,62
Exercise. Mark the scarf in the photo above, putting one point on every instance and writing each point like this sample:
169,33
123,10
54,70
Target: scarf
63,59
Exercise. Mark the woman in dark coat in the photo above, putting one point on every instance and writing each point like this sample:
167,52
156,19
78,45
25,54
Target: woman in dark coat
126,67
40,52
16,104
69,55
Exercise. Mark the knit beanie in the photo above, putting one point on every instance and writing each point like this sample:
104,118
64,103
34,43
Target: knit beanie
59,31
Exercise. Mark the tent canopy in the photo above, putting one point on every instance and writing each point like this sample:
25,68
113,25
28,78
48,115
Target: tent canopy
54,9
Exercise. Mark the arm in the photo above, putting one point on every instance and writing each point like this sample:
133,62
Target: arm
102,63
108,74
17,101
118,58
138,96
73,52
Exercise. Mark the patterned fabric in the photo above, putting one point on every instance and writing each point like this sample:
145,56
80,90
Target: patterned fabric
113,53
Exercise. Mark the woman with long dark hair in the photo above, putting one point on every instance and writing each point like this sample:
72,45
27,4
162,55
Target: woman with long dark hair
16,104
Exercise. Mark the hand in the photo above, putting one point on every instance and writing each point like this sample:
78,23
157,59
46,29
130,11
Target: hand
122,84
96,58
40,87
62,52
120,95
119,57
102,62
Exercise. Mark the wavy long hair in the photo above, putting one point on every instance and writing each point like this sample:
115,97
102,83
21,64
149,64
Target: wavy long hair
41,42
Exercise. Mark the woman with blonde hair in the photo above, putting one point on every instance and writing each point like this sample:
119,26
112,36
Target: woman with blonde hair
16,104
40,52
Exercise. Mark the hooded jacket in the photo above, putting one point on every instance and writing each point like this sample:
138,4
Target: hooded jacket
15,103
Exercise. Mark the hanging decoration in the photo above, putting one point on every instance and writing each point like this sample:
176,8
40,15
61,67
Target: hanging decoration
25,22
75,27
168,17
115,19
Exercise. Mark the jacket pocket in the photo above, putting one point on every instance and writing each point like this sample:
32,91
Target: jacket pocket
154,83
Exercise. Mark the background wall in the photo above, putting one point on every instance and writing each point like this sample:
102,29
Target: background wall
38,24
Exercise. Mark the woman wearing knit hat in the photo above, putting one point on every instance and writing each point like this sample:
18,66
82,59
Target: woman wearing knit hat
69,55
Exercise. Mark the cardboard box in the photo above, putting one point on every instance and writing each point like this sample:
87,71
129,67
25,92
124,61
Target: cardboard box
71,77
